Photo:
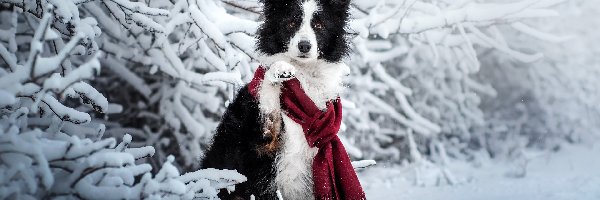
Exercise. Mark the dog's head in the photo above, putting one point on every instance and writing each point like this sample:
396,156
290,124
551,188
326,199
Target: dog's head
304,30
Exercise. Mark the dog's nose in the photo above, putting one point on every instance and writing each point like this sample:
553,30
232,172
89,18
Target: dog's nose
304,46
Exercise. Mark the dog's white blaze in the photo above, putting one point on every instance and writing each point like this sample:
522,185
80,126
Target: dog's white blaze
305,33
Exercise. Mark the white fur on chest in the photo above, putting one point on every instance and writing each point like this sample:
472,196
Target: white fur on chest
294,161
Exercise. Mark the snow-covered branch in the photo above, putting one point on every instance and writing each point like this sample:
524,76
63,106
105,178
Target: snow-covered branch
197,80
53,147
38,80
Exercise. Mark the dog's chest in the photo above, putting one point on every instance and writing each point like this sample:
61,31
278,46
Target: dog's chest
294,163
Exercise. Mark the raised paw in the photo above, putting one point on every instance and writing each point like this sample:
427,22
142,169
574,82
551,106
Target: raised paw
281,71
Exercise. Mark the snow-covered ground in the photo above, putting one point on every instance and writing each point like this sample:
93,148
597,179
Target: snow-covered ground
572,173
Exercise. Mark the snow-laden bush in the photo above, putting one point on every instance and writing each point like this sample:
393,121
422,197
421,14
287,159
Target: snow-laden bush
177,81
51,130
420,60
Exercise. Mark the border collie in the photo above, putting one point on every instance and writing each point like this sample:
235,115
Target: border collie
305,39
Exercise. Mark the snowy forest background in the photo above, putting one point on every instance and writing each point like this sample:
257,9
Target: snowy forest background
119,98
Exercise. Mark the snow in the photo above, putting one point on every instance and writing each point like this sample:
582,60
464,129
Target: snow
570,173
363,163
213,174
130,77
64,112
6,98
435,87
384,107
89,96
207,27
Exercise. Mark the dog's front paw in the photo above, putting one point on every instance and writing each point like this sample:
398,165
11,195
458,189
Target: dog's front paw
280,71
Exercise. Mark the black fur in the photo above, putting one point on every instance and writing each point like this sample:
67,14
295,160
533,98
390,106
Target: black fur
331,38
284,17
235,146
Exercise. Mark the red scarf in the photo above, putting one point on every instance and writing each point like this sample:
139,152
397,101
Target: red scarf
333,174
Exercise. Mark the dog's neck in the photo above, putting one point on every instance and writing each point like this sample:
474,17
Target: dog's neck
323,82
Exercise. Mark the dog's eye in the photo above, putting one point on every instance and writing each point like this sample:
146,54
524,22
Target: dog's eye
318,25
291,24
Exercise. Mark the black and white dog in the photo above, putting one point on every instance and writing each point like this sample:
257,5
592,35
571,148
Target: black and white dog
303,38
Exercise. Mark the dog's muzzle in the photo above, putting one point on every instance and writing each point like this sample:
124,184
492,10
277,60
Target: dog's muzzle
304,46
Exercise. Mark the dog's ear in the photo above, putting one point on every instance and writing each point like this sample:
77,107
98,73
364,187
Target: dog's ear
271,5
344,3
339,6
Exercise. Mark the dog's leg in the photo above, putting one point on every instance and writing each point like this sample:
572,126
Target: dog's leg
234,147
269,93
270,89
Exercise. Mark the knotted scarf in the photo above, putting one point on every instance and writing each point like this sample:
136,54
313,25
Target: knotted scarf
333,174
